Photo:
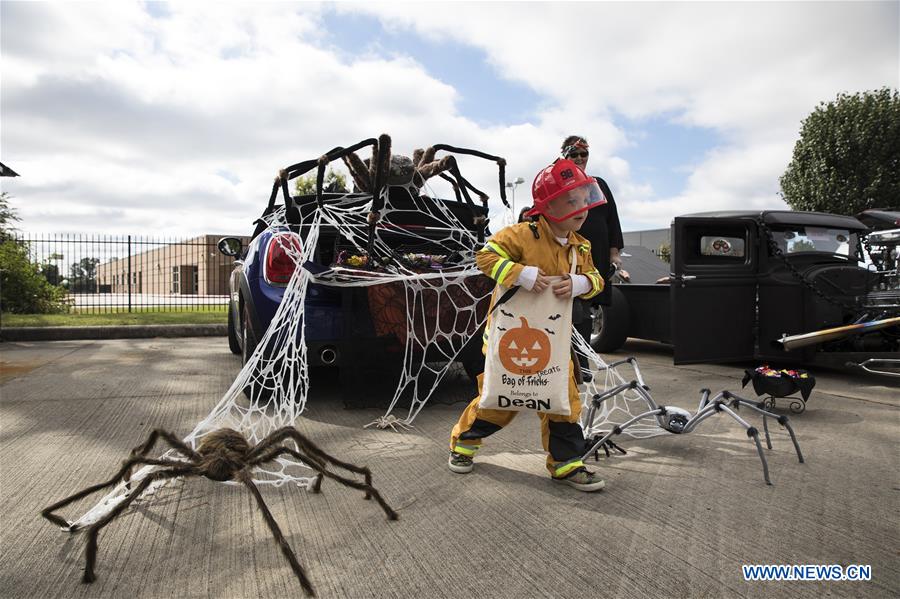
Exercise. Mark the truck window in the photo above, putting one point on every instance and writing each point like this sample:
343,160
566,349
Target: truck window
715,245
797,239
706,244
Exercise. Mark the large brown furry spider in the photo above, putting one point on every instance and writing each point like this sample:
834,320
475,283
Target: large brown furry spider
222,455
402,170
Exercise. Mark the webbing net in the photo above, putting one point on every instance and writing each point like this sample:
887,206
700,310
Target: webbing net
423,290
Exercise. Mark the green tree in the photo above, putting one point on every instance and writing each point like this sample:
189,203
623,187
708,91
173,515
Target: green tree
83,275
333,182
802,245
848,156
664,251
7,216
23,288
50,272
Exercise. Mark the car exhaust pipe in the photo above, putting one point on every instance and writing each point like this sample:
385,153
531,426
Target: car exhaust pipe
791,342
328,355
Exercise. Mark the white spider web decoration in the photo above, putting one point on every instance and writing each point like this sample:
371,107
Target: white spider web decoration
442,308
617,409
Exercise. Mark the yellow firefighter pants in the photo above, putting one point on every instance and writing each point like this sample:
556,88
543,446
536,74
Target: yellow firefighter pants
562,436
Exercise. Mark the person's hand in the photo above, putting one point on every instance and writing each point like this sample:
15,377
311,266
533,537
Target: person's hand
563,288
541,282
623,274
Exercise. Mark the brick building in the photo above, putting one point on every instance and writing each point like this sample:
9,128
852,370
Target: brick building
188,267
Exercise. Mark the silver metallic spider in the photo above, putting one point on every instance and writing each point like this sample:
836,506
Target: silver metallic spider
679,421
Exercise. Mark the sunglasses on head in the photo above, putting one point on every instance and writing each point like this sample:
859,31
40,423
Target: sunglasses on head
582,154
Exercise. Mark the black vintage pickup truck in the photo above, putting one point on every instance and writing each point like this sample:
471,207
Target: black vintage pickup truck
743,282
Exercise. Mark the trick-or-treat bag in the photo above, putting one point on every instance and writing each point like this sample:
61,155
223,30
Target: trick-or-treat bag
528,351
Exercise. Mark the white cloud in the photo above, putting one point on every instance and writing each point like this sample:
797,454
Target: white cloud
148,126
110,111
732,178
749,71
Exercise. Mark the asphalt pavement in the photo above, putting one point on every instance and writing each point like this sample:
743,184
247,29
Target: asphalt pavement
679,517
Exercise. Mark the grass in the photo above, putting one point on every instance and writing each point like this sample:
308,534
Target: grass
203,315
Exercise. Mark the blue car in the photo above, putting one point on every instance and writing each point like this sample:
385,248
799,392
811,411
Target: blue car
340,329
258,281
357,329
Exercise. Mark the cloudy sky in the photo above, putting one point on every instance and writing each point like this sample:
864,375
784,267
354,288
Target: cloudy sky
152,118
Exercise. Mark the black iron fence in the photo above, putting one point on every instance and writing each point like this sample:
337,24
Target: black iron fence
133,273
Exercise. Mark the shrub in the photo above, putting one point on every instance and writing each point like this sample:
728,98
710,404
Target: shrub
23,288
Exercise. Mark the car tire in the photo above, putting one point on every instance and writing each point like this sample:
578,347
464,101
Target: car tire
248,346
234,343
248,338
253,390
611,323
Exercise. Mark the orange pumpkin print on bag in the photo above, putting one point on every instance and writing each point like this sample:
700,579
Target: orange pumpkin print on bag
524,350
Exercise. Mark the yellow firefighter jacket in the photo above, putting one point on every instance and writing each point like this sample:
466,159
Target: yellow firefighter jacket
533,244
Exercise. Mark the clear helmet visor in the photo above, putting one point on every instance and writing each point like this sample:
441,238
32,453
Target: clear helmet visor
574,202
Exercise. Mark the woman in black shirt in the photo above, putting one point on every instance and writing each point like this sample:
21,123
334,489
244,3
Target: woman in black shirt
602,229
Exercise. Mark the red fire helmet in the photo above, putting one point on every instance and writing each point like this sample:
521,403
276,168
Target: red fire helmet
570,190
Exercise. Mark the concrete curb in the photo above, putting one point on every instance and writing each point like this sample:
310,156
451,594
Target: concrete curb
112,332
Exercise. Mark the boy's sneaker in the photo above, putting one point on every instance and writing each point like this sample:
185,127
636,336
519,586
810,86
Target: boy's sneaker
583,480
461,464
586,375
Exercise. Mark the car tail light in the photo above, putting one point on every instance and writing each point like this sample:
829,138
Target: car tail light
280,265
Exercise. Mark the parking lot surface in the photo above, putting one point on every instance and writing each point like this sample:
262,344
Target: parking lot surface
679,517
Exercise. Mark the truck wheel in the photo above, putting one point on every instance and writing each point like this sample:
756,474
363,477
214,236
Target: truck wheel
611,324
233,343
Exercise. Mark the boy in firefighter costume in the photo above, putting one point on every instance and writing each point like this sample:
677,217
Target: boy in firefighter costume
526,255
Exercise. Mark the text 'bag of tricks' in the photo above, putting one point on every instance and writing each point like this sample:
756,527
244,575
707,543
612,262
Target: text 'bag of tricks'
528,351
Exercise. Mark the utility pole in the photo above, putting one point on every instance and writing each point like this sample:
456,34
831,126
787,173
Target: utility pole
512,185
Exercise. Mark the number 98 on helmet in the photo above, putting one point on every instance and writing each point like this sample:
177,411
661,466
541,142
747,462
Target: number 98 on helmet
562,190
